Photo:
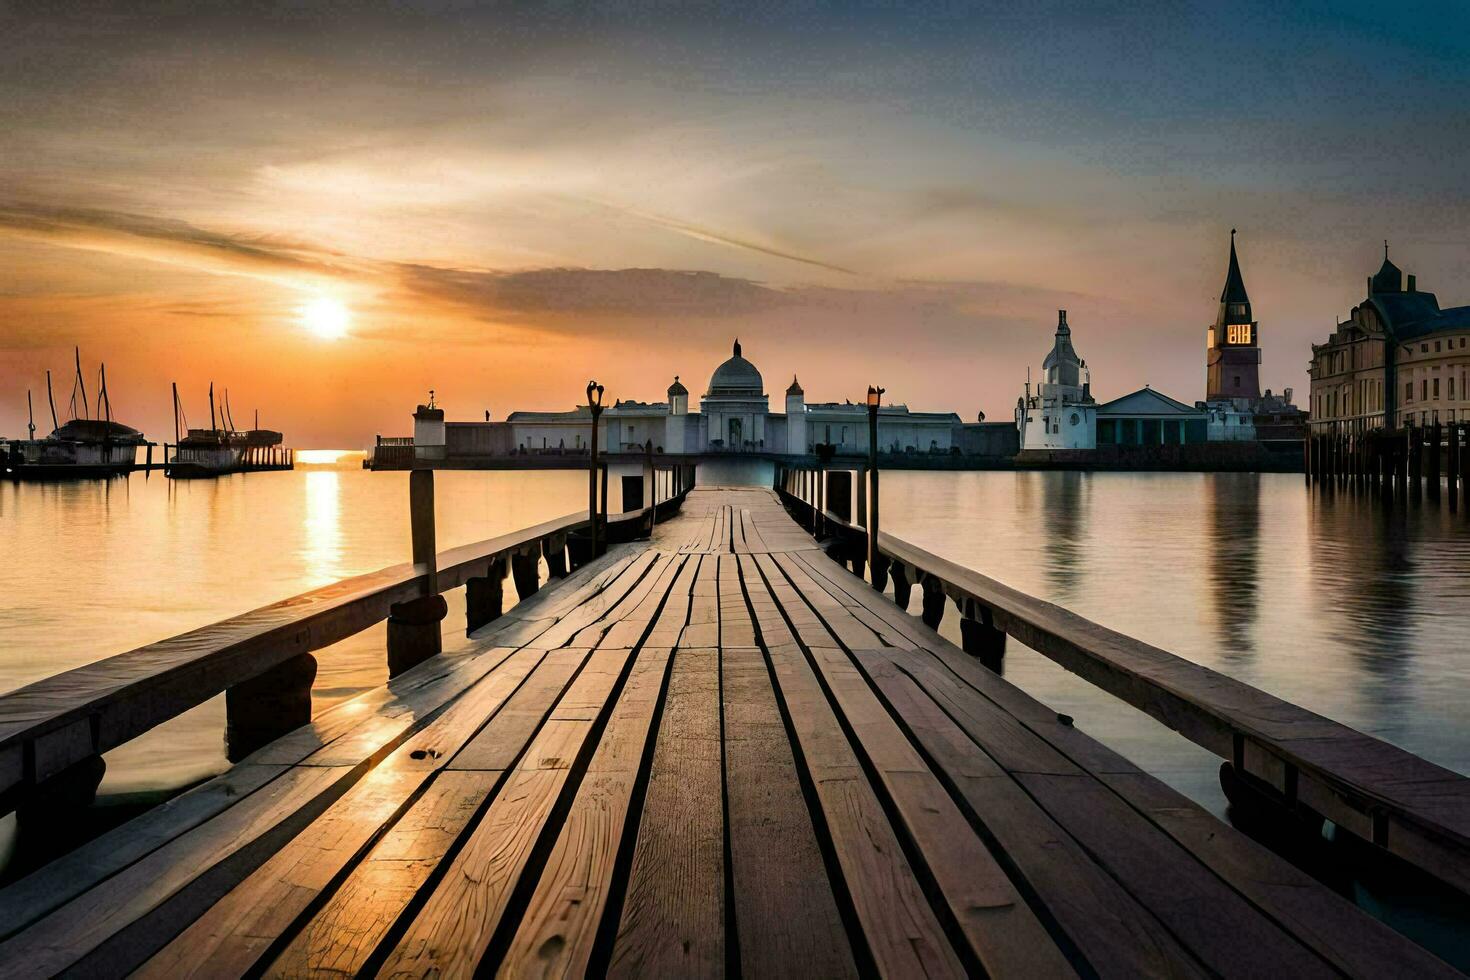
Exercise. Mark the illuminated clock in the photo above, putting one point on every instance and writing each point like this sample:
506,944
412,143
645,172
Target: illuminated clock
1238,334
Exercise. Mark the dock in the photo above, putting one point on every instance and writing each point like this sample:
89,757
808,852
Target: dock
707,749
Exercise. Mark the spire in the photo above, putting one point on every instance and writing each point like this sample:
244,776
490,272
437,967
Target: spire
795,388
737,346
1388,279
1234,291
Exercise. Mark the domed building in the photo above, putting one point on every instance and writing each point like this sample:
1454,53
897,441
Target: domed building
734,416
735,407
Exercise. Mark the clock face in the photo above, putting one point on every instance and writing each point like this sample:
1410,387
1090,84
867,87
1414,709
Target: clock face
1238,334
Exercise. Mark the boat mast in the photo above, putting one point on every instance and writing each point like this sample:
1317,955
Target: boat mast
213,425
176,413
54,424
86,412
229,416
104,401
30,416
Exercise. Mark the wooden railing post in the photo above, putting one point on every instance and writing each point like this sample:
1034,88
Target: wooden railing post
413,626
933,601
484,596
555,550
902,587
980,638
525,568
265,707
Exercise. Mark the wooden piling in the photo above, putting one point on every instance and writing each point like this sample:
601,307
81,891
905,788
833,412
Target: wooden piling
1416,463
1452,465
555,550
1432,469
413,626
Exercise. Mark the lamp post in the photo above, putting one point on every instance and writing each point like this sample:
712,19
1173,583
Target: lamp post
875,563
594,404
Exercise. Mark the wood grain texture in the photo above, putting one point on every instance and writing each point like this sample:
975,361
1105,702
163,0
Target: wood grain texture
786,913
673,919
453,929
555,937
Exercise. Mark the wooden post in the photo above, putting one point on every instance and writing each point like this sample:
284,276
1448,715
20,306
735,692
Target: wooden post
933,601
484,596
555,550
1432,470
1452,465
262,709
902,587
1416,463
980,638
413,626
55,808
525,568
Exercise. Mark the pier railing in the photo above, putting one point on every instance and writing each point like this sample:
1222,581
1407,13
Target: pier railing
1275,753
54,731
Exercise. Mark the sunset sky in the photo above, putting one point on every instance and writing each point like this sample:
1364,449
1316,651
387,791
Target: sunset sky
506,203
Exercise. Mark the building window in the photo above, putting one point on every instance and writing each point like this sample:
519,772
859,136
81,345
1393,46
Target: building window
1452,387
1424,348
1408,391
1424,390
1436,347
1436,389
1237,381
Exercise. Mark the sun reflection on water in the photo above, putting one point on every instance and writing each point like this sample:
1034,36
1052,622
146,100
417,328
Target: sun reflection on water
322,540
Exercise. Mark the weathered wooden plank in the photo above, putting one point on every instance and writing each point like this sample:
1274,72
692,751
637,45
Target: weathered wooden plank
340,938
1003,932
901,930
138,897
229,936
788,923
453,929
673,916
1109,928
556,935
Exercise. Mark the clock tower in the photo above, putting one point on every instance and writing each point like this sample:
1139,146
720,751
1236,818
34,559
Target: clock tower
1234,346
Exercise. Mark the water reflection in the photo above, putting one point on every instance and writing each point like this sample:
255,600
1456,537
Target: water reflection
321,537
1234,508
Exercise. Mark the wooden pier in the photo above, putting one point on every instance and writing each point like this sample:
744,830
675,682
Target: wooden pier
1410,464
712,750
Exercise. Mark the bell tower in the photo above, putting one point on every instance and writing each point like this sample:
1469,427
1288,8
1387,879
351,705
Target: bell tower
1233,349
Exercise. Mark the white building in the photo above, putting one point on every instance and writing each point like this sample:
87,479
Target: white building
1061,414
734,417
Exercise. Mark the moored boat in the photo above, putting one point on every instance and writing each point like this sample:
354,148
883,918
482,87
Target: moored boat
82,448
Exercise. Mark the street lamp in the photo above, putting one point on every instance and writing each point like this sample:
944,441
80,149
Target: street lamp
594,405
875,563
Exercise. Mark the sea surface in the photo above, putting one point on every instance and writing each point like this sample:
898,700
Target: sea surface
1353,609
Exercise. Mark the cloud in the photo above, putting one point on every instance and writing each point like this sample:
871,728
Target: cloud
170,240
559,292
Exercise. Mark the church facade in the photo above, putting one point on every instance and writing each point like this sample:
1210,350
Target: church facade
734,416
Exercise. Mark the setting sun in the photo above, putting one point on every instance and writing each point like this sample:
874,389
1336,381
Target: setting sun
325,317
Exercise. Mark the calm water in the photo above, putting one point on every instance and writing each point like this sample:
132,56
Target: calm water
1331,601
